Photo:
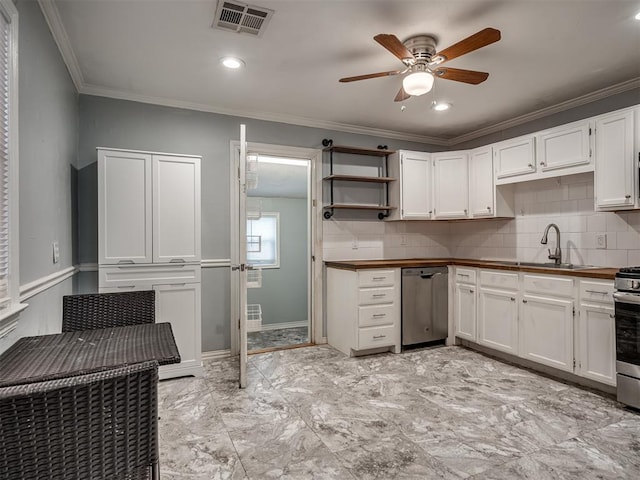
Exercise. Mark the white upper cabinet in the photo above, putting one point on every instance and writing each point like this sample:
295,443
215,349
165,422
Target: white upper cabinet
513,158
148,208
176,209
616,174
564,147
481,187
451,185
124,208
413,190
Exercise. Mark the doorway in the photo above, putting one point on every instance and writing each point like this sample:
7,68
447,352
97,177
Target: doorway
280,231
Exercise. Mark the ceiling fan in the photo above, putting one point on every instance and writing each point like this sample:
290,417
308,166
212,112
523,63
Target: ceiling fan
418,53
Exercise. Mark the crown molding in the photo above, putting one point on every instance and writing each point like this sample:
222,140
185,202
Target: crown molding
545,112
52,16
98,91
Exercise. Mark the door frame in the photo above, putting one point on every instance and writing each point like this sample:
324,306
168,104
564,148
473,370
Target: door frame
316,294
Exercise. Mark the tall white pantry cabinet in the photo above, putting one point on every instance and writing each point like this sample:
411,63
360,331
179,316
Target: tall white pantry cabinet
149,239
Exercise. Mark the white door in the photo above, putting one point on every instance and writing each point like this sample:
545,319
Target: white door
481,189
416,186
597,358
242,252
465,311
451,185
546,331
498,320
614,177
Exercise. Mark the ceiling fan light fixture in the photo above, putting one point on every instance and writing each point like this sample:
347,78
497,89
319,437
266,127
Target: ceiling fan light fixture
232,62
418,83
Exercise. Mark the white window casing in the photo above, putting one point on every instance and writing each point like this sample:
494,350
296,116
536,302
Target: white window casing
263,239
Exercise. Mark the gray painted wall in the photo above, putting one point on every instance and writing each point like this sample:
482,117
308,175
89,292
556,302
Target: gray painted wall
48,128
283,296
107,122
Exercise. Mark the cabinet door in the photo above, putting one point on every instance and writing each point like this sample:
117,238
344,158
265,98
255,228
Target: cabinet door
465,311
614,177
415,186
451,185
124,207
498,320
546,331
515,157
481,188
179,304
565,146
176,209
596,332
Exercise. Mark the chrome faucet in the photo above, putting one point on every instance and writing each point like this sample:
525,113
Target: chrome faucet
557,255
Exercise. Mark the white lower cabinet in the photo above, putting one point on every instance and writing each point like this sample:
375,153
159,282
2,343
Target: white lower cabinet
465,306
596,346
178,301
363,309
546,331
498,319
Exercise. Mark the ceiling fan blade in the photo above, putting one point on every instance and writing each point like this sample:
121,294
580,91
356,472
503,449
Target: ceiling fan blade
395,46
370,75
474,42
459,75
401,96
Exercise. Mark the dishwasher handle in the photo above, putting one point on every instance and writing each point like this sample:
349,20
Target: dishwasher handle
429,275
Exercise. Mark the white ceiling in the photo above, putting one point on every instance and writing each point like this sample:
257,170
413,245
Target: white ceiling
166,52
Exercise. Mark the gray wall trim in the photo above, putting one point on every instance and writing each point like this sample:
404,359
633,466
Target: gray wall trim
88,267
45,283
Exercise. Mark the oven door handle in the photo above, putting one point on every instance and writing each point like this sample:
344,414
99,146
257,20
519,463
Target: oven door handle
627,298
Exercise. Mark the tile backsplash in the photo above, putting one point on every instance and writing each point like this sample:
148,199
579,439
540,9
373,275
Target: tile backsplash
566,201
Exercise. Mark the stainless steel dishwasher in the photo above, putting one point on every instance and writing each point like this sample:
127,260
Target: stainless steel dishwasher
424,305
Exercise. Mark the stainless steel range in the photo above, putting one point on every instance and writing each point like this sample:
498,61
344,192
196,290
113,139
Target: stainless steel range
627,305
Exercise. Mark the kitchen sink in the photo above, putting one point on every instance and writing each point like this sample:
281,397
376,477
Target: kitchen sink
561,266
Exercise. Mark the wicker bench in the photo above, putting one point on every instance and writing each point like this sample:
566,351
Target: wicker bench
105,310
96,426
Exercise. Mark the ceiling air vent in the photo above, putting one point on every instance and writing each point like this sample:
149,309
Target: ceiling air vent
241,18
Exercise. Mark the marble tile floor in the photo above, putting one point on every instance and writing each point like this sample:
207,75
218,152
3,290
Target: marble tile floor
445,412
281,337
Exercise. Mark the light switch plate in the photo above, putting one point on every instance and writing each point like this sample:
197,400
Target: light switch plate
601,240
56,252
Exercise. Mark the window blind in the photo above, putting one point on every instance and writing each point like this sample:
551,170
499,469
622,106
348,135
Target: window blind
4,159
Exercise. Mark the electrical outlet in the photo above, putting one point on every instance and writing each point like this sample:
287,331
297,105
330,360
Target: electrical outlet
601,240
354,244
403,240
56,252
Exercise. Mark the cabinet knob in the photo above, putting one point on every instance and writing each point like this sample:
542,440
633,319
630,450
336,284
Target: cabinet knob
627,196
465,211
470,290
513,299
542,163
611,315
524,301
430,212
531,165
489,208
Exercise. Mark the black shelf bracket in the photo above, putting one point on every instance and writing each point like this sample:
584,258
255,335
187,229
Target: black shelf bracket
328,213
327,142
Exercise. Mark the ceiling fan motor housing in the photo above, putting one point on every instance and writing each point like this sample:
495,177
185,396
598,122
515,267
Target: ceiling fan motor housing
423,48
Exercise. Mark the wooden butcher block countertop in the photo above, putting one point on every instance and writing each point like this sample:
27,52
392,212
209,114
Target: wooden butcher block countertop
588,272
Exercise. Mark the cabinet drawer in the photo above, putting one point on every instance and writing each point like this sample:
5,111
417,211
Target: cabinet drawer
376,278
372,296
465,275
596,292
373,316
491,278
372,337
130,276
554,286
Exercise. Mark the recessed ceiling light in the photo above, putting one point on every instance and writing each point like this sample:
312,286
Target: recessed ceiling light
441,106
232,62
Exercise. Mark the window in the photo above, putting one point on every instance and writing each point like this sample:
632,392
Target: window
263,239
8,163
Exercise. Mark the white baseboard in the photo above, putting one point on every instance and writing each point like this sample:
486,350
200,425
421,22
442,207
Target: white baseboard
279,326
216,354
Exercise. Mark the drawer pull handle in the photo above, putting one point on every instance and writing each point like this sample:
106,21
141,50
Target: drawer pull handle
377,279
125,262
611,315
597,292
177,260
379,315
126,286
377,337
